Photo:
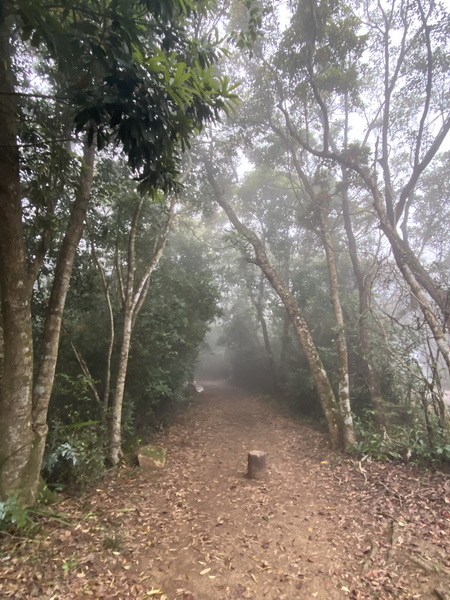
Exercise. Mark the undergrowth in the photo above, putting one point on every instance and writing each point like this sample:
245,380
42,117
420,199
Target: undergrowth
75,454
405,443
24,520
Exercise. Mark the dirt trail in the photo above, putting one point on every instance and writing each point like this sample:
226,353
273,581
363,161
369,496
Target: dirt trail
320,526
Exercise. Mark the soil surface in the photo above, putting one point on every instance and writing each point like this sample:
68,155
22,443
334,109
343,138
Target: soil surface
320,525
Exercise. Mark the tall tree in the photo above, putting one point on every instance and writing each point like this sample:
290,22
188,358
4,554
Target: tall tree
133,75
406,39
133,290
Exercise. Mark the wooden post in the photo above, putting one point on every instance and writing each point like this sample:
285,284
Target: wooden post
256,464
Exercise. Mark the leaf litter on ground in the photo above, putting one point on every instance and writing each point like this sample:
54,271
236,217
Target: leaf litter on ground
321,525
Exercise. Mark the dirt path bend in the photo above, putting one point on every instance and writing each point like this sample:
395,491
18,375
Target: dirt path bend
319,526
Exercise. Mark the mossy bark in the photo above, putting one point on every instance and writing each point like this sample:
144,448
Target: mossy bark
344,380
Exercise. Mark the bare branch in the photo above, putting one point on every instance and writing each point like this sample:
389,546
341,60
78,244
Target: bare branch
141,291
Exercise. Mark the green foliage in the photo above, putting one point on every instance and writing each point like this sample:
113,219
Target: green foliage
403,442
252,13
14,515
172,325
74,400
168,334
323,37
134,75
75,454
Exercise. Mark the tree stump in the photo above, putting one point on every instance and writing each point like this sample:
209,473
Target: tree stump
256,464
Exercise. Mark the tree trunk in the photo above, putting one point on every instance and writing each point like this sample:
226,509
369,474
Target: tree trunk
109,354
344,382
405,256
18,471
426,414
52,327
24,410
327,399
111,336
285,338
268,349
364,282
257,303
418,280
372,376
430,317
284,351
2,352
321,200
115,442
115,437
133,301
409,265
